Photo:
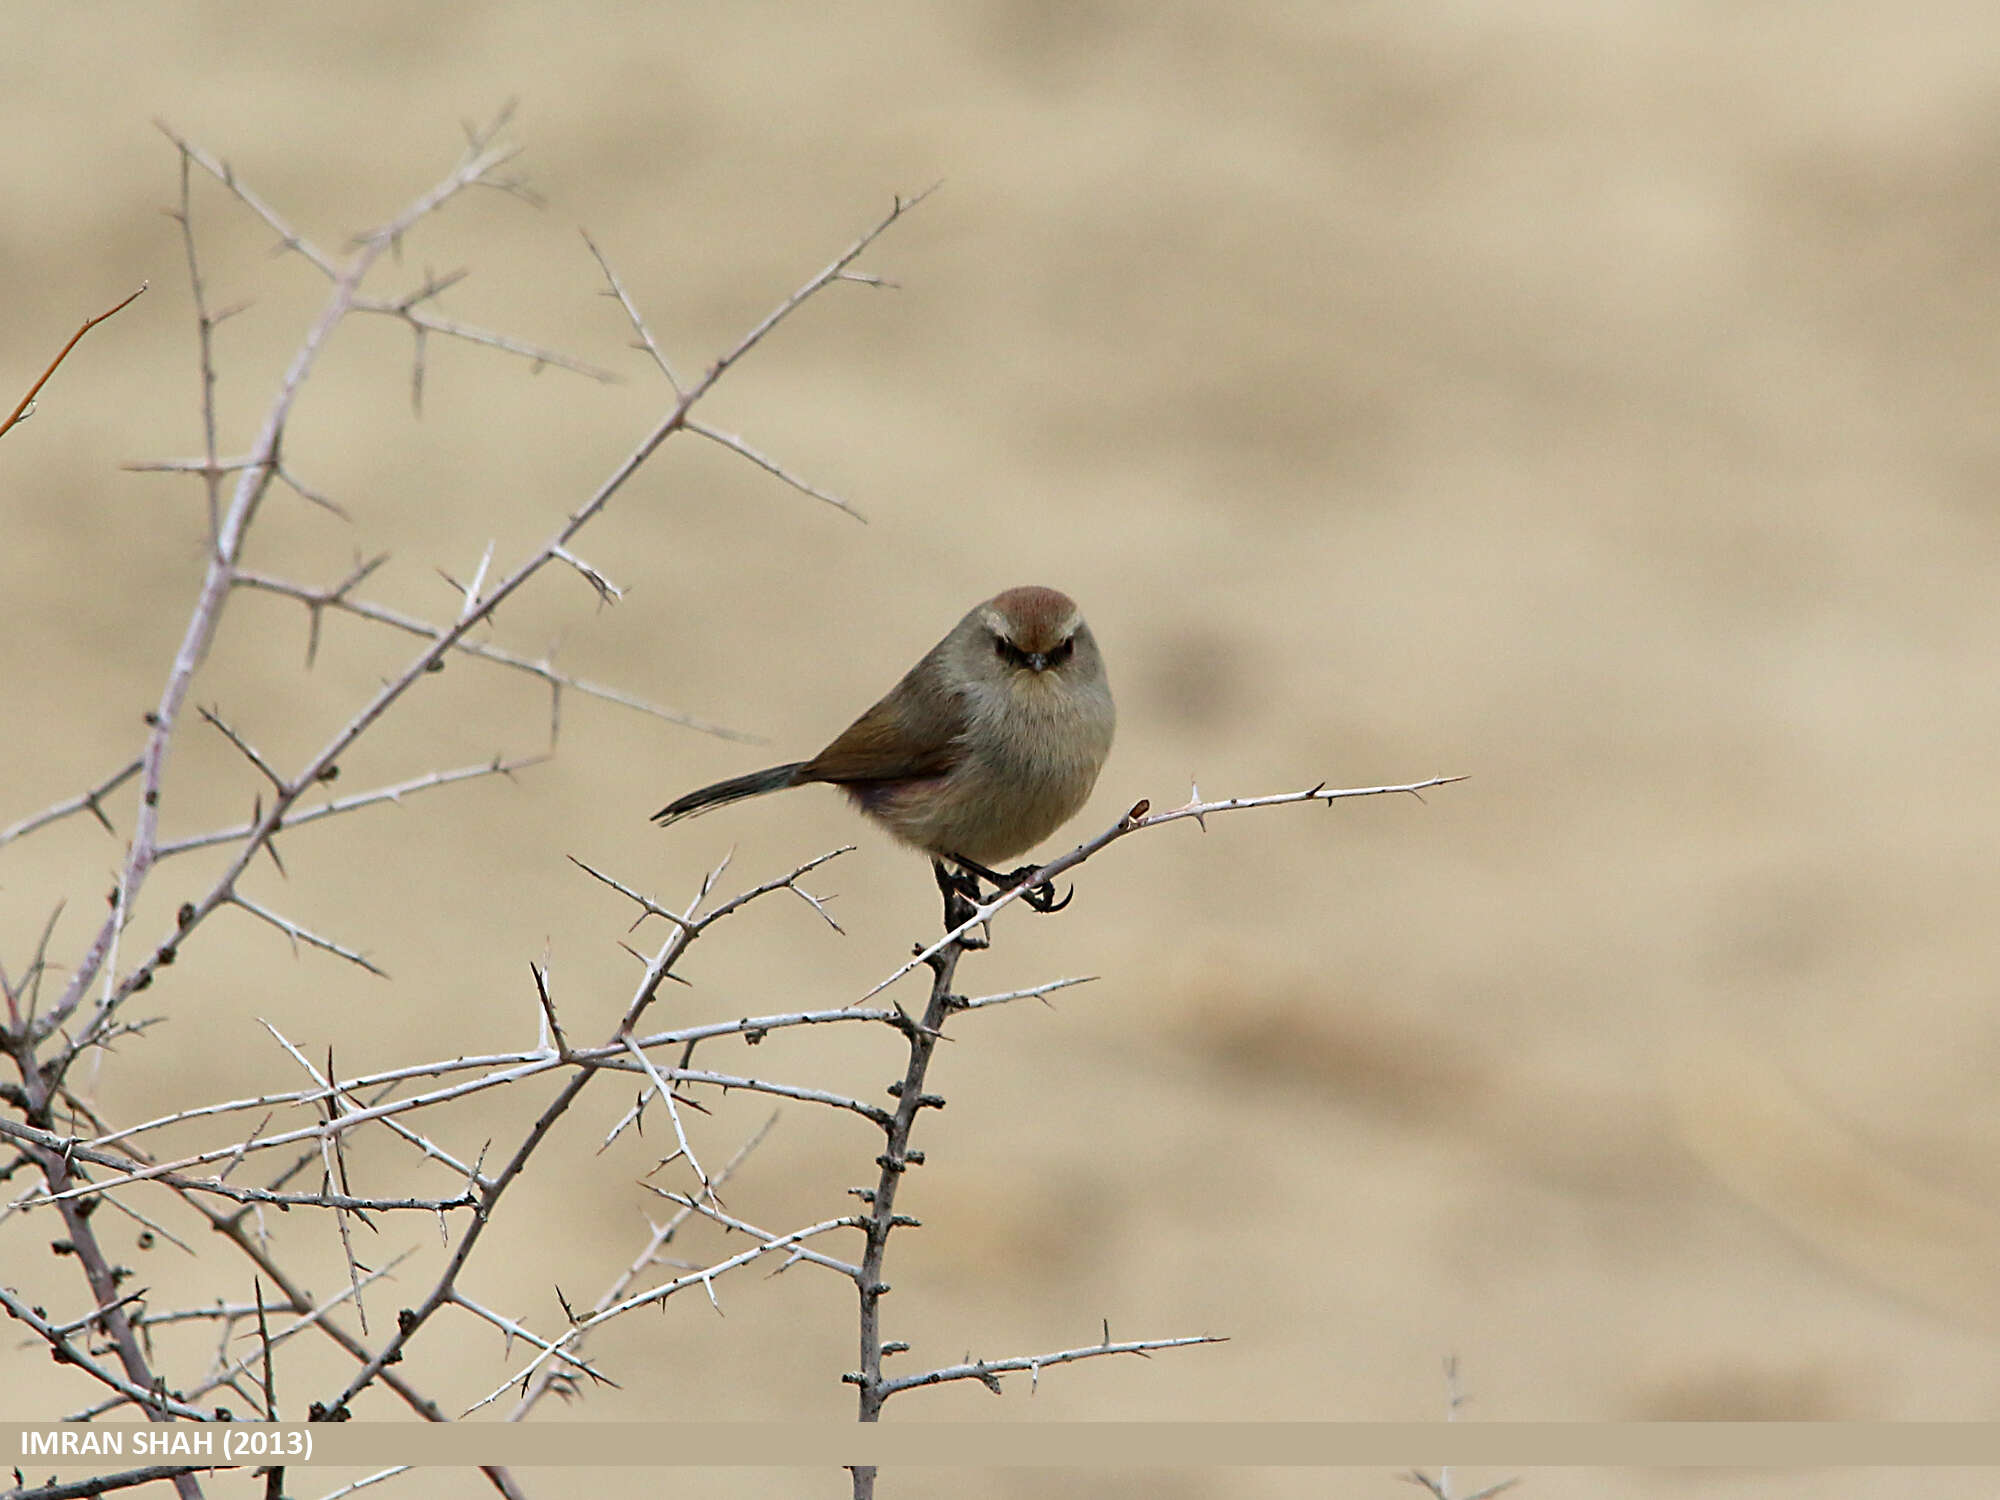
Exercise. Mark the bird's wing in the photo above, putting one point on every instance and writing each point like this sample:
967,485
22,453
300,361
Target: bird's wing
913,733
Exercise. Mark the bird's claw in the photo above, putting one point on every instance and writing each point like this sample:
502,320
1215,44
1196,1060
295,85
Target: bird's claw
961,889
1041,898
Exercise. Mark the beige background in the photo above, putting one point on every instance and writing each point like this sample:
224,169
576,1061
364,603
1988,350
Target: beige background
1595,399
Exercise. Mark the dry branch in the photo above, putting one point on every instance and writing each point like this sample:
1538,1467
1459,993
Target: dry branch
222,1145
1141,817
104,1484
91,801
27,403
546,1378
44,1043
988,1371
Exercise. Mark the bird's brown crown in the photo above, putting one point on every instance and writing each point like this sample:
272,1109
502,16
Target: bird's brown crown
1032,618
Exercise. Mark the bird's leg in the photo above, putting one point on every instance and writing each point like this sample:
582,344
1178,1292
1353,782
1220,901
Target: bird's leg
961,897
1041,897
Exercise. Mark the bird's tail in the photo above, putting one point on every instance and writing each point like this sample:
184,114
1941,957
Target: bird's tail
733,790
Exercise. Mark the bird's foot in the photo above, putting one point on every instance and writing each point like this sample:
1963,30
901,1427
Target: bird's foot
961,899
1041,898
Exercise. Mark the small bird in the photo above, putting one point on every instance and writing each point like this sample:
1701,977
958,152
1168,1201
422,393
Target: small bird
986,747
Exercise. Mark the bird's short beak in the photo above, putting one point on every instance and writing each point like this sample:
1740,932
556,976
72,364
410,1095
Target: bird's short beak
1038,660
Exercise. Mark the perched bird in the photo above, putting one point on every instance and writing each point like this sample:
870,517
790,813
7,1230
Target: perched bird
986,747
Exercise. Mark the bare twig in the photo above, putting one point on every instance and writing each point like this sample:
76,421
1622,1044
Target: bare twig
607,592
665,1093
228,535
662,1234
43,1088
307,1317
1039,992
770,465
168,1175
337,598
264,1348
796,1251
515,1330
249,751
333,807
154,1401
704,1278
363,1483
205,324
124,1479
646,340
138,1380
1141,817
499,1071
289,238
1455,1400
29,986
90,801
1441,1486
988,1371
421,322
657,969
26,407
304,935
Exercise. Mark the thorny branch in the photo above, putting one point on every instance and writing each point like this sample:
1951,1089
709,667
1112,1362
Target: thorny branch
91,801
1141,817
548,1377
43,1042
317,600
227,542
156,1403
988,1371
104,1484
83,1163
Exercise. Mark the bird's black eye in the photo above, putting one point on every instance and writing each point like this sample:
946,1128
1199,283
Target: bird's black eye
1062,653
1004,648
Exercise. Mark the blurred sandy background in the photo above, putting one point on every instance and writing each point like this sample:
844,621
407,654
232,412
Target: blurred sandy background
1595,399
